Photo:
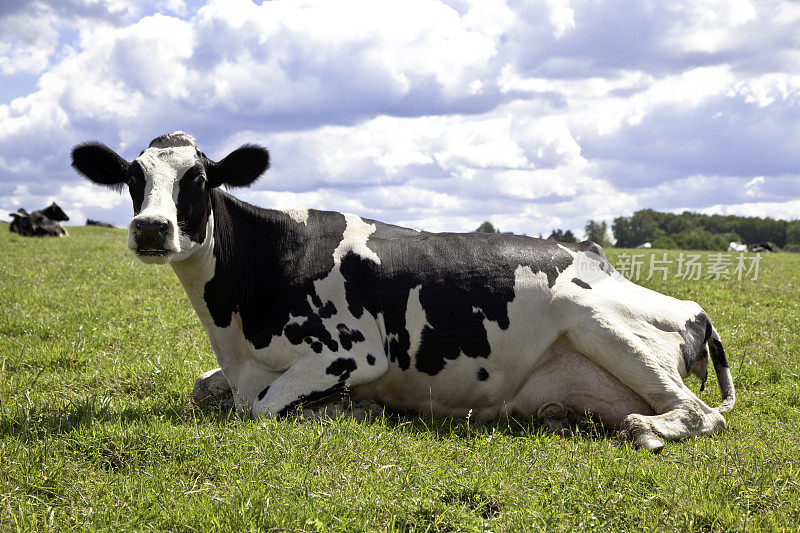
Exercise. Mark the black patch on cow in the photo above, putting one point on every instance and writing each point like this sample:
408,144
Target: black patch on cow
327,310
311,398
266,266
317,346
136,186
696,332
307,331
370,359
315,299
263,393
718,353
483,374
342,367
456,272
347,336
193,205
581,283
586,246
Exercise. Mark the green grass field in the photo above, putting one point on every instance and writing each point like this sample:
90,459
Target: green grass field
99,353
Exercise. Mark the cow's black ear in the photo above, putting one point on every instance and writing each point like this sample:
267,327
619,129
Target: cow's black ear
240,168
100,164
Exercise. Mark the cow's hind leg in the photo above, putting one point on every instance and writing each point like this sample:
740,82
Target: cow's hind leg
645,358
567,388
686,420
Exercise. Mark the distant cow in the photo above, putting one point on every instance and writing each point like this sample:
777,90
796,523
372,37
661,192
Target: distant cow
737,246
300,303
41,223
762,247
90,222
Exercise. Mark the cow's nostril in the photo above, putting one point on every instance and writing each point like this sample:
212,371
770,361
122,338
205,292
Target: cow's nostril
151,227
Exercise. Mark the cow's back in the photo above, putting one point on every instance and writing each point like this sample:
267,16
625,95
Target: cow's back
460,283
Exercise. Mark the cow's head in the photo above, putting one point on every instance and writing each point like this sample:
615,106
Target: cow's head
54,212
170,184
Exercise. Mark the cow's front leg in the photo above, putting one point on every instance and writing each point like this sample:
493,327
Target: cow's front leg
317,375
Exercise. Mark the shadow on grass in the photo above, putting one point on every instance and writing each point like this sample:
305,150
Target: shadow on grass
31,423
511,426
37,422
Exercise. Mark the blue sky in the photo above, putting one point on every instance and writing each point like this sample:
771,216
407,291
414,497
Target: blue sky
433,114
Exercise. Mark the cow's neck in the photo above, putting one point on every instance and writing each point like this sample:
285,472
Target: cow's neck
195,271
241,241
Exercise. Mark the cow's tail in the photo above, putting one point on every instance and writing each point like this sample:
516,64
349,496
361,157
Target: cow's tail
723,372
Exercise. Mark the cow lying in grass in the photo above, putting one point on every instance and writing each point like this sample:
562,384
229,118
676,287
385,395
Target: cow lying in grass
41,223
299,304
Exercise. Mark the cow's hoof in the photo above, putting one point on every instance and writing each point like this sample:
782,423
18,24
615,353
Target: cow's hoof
637,431
554,411
649,442
556,417
356,409
366,410
212,390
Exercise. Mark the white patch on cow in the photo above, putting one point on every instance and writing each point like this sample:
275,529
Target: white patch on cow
355,240
298,215
565,248
591,268
197,269
416,320
530,330
164,164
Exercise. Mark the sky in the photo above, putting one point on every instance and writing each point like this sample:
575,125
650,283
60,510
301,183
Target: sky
438,115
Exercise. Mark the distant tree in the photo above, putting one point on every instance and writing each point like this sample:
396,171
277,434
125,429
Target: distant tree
793,232
678,223
562,236
623,233
696,231
665,243
486,227
596,232
700,239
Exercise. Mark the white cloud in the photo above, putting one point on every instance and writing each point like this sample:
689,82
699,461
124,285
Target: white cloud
438,114
27,44
711,25
787,210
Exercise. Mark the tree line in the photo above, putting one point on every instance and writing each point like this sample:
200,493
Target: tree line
688,231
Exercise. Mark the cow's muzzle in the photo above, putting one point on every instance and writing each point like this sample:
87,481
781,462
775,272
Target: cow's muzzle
152,236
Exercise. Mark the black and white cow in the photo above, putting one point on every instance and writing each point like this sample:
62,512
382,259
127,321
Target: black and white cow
98,223
300,303
40,223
